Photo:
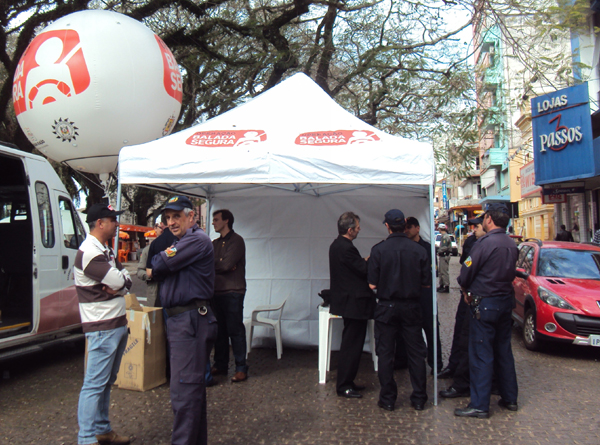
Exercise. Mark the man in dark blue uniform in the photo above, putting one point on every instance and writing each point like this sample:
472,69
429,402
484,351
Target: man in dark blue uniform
188,273
486,282
458,350
399,269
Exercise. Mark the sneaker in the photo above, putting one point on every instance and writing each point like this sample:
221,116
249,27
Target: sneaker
112,438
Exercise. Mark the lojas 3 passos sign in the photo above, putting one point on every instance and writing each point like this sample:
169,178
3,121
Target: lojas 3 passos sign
562,136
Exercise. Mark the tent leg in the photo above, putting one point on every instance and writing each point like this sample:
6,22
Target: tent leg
434,291
116,244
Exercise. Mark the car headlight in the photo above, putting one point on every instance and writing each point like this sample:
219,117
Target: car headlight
552,299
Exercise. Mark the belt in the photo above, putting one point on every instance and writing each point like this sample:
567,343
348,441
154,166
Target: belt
201,305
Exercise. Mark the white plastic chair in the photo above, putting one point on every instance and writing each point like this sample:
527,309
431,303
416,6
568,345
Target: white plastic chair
260,320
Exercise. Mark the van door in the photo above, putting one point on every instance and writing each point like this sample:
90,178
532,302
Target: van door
48,259
73,235
16,249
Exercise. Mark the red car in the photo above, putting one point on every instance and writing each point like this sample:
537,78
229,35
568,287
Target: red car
558,292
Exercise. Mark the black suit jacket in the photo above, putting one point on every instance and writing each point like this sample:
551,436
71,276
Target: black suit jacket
351,296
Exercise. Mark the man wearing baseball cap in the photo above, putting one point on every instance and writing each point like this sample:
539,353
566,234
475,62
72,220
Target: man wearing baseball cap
458,362
188,272
399,269
486,283
101,281
444,252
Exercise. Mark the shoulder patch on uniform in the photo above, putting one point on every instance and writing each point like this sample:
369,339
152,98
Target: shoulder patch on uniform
171,252
468,262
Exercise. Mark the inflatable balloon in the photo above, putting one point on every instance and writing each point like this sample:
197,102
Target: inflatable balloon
92,82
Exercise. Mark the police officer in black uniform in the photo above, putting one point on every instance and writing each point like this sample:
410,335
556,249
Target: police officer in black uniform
188,272
399,268
486,282
458,350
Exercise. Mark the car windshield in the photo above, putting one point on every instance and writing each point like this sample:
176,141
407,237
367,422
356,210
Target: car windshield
564,263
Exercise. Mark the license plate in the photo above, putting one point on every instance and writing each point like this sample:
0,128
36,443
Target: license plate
595,340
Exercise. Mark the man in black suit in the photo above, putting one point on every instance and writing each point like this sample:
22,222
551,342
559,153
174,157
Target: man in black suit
352,299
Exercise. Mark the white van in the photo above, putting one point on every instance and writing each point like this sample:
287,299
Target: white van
40,233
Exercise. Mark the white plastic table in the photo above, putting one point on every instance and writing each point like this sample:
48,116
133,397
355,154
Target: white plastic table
325,331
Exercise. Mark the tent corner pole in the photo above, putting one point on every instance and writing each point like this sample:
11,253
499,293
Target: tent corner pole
434,292
116,243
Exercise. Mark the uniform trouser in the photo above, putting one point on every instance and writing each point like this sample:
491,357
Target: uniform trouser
444,269
229,310
455,352
191,338
489,350
353,340
404,316
401,359
462,381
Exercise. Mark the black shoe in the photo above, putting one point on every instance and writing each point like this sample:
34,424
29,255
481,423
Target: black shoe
444,290
511,406
418,406
471,412
349,394
452,393
358,387
445,373
380,404
213,382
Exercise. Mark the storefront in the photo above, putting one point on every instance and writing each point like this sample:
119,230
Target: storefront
567,158
536,218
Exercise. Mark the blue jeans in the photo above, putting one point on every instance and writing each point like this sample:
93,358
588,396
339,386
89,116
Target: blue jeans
229,310
105,350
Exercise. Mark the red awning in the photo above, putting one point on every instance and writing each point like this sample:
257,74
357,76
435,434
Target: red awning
132,228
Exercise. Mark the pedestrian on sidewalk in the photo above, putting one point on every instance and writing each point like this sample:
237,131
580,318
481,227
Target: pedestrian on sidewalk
444,252
101,281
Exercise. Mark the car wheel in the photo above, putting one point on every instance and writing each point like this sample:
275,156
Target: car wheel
530,337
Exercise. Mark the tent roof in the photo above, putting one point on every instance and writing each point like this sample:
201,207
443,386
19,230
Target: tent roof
292,137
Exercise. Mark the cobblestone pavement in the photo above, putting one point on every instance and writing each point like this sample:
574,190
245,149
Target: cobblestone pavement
282,403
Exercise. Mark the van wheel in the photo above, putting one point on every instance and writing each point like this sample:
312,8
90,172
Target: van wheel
530,337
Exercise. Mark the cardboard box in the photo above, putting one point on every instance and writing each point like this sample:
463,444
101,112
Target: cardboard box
143,365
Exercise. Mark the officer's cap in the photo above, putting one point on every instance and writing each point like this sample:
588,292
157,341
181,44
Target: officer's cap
394,217
442,226
475,221
179,203
496,207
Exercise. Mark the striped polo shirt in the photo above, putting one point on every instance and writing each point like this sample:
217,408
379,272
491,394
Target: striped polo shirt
95,268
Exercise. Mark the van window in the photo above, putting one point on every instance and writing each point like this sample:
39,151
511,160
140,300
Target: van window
72,232
46,225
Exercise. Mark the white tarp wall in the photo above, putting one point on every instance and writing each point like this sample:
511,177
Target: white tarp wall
287,241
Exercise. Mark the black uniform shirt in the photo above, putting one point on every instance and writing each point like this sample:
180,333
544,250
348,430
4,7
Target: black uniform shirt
490,268
467,246
399,267
427,247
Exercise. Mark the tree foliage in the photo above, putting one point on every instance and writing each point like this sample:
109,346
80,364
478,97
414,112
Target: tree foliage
396,64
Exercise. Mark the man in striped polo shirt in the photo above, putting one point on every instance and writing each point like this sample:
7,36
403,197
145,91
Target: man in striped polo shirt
101,282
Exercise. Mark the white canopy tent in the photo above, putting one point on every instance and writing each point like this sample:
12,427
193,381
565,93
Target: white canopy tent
288,163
